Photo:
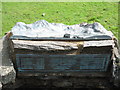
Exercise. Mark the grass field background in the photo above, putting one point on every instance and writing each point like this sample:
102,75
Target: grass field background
68,13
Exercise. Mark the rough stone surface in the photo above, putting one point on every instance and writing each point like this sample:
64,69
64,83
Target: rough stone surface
43,28
63,83
99,43
0,86
0,62
8,74
46,45
6,61
7,71
1,52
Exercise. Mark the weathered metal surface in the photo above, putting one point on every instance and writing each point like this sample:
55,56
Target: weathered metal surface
80,57
103,37
65,63
43,28
97,50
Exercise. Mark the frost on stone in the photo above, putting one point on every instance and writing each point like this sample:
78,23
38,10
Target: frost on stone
43,28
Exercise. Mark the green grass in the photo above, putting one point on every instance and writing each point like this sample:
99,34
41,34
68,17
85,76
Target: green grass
60,12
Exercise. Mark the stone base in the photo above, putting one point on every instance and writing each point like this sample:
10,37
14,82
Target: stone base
0,86
7,71
8,74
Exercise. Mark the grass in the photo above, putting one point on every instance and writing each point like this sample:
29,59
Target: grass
68,13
